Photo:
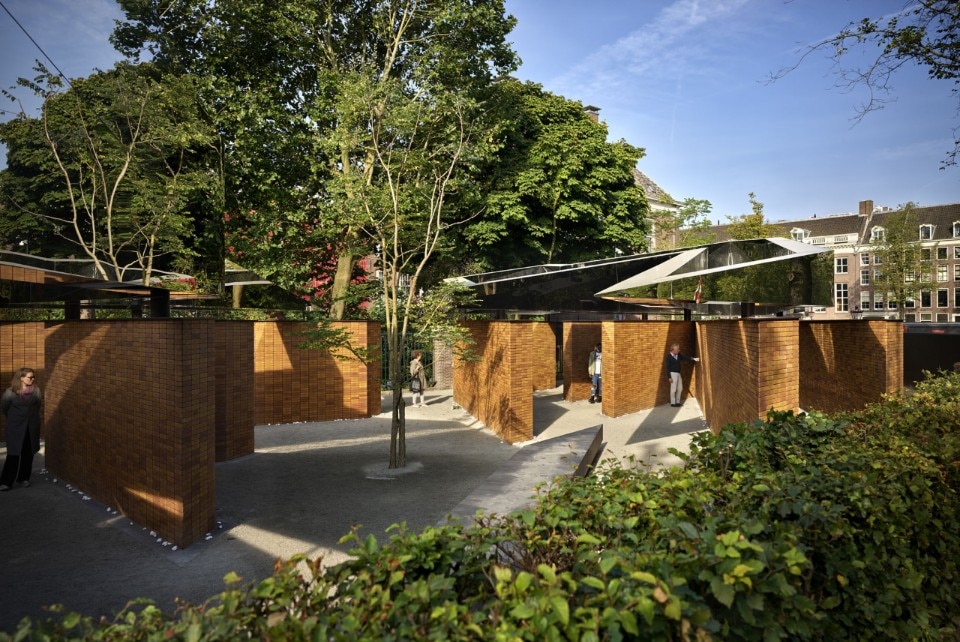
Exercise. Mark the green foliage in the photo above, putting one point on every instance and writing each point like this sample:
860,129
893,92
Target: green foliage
804,527
324,335
556,190
120,169
752,226
903,273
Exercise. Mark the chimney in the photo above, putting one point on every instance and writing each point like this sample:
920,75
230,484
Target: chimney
592,112
866,208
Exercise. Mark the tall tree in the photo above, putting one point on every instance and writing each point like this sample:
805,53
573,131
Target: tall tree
753,225
557,190
122,166
278,75
417,157
763,283
905,269
687,227
925,33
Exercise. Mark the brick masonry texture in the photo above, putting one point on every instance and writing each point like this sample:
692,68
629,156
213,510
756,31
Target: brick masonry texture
846,365
544,356
137,411
497,389
293,384
129,419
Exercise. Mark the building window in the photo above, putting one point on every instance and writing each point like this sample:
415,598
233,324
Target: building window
799,234
864,301
956,252
864,259
817,240
956,229
926,317
910,318
864,277
941,273
842,300
925,298
877,274
956,297
942,253
891,305
910,303
956,272
839,239
942,298
909,277
878,302
877,234
942,317
925,254
926,232
841,264
877,259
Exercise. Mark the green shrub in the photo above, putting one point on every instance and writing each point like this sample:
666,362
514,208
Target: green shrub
802,527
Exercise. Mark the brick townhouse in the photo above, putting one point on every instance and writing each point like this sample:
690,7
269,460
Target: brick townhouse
855,265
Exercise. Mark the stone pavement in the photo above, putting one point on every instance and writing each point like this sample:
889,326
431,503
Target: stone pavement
304,487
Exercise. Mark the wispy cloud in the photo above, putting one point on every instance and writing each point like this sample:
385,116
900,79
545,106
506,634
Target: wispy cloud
672,44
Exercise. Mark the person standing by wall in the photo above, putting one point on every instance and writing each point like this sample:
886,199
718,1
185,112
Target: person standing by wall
674,358
596,378
418,380
20,404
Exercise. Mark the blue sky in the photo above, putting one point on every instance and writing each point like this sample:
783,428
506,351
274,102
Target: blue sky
685,80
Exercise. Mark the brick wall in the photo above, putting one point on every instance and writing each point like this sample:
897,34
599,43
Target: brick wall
846,364
727,378
748,367
21,346
778,365
544,355
234,410
634,363
442,365
295,384
129,418
498,389
579,337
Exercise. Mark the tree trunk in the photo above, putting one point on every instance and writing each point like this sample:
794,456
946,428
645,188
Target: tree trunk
398,429
341,281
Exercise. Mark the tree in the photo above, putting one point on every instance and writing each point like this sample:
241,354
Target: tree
121,169
277,75
753,225
925,33
687,227
905,268
761,283
557,190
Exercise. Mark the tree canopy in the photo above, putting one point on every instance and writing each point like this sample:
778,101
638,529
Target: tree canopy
115,170
557,190
287,82
903,272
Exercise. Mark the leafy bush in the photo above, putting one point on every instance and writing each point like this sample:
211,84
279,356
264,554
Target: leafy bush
799,527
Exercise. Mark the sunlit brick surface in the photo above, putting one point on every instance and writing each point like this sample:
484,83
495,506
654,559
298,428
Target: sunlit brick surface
498,389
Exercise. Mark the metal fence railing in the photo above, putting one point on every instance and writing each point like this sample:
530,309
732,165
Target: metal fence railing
412,344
